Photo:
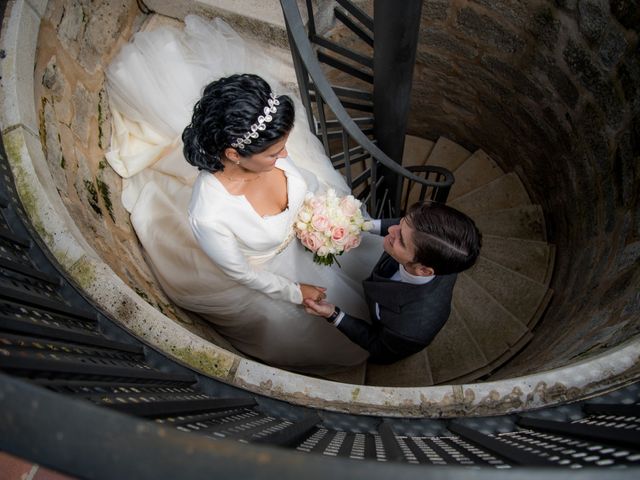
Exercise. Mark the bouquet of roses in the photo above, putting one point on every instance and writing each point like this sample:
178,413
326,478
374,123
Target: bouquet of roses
328,225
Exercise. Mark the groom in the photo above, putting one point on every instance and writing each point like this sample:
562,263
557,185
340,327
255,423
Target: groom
409,291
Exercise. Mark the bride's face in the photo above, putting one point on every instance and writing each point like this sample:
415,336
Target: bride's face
266,160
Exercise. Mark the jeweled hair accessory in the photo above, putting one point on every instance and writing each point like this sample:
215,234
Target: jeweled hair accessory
260,125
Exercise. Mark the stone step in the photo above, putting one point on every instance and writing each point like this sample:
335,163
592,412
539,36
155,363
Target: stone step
454,352
542,306
477,170
492,366
413,371
518,294
526,222
504,192
354,376
493,327
531,258
416,150
447,154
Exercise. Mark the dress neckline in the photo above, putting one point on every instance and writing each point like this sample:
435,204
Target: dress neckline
280,165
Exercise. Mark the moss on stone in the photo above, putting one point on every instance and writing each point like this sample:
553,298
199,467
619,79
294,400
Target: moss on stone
206,362
103,188
92,196
43,125
100,120
13,144
142,294
63,162
83,272
354,393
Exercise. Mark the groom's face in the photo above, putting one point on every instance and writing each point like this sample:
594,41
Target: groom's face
399,243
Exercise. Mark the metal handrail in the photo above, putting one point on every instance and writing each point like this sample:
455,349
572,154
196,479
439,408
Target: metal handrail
304,56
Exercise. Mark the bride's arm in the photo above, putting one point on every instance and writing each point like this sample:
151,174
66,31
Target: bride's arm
221,247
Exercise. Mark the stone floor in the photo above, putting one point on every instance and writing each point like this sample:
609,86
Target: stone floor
14,468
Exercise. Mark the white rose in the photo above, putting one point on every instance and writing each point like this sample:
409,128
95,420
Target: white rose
305,216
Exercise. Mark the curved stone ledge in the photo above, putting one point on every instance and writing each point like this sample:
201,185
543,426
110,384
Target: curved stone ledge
58,231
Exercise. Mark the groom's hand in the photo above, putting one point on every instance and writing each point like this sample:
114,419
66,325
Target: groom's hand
321,308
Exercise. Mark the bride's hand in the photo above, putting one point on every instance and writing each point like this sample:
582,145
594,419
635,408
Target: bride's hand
312,292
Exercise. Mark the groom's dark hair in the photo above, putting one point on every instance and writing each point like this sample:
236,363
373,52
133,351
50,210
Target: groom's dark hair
226,111
445,239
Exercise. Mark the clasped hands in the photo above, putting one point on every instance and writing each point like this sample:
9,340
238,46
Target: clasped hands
312,292
313,299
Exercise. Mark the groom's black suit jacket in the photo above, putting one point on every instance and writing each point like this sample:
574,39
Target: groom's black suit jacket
410,315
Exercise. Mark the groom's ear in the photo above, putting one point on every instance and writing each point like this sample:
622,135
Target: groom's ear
423,271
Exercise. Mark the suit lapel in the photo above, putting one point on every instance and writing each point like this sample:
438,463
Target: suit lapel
390,293
385,268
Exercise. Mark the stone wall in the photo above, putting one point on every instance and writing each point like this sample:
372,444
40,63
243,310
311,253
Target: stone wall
551,90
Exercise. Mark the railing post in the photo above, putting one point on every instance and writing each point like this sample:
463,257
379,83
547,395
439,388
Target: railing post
396,30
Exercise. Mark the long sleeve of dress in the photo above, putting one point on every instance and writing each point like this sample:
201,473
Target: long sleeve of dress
222,248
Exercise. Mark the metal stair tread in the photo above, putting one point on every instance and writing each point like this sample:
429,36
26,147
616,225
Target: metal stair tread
32,362
13,238
167,406
28,270
44,302
477,170
65,333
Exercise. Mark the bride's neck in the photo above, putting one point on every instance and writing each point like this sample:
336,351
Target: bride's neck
233,172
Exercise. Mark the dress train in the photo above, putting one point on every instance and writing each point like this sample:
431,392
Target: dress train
153,83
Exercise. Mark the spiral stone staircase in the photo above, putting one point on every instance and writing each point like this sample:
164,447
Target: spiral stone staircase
87,335
497,303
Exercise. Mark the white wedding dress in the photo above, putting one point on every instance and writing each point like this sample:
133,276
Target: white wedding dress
241,271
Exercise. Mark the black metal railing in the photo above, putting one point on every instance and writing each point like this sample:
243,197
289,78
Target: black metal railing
373,176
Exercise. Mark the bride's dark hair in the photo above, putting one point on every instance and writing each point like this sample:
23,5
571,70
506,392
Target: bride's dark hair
226,111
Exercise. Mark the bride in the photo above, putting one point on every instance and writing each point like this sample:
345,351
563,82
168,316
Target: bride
218,230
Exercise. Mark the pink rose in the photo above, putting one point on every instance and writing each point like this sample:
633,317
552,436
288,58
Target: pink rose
320,222
339,235
312,241
352,242
348,206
